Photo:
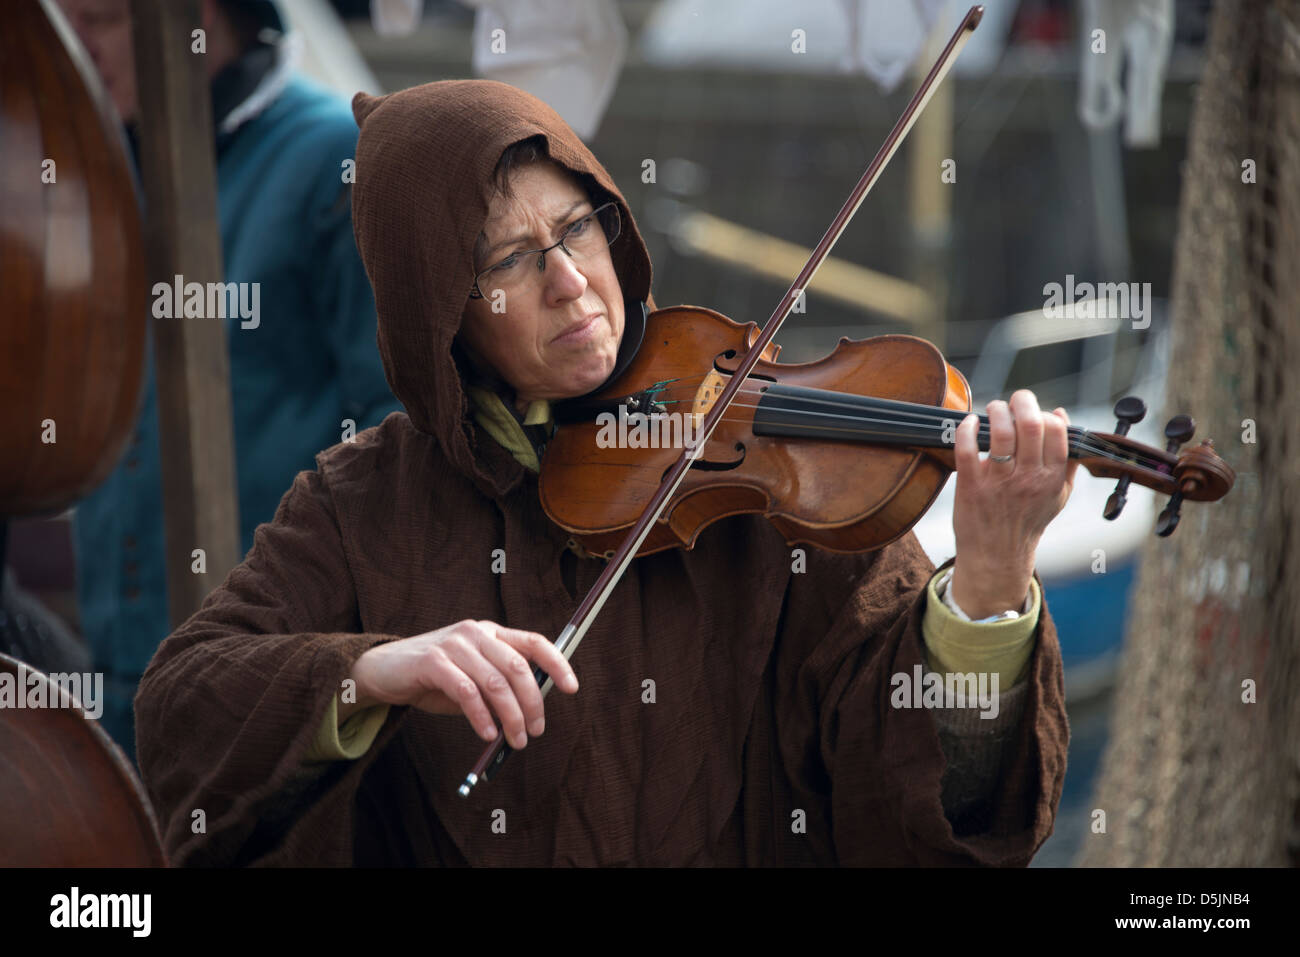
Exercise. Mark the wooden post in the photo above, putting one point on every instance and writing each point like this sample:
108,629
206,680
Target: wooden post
182,238
929,197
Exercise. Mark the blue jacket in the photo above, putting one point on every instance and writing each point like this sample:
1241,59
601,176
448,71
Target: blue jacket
310,363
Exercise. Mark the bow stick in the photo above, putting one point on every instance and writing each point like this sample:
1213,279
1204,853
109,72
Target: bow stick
495,754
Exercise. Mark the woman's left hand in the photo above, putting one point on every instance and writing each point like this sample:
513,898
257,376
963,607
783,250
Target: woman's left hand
1002,508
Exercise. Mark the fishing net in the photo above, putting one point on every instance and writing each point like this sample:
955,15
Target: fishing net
1194,774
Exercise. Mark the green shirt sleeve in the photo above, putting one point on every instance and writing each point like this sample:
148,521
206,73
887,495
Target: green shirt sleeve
953,645
350,740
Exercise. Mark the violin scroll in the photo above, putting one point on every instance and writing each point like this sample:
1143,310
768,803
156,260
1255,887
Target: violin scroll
1197,475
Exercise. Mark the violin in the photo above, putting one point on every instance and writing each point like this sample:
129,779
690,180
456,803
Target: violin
844,453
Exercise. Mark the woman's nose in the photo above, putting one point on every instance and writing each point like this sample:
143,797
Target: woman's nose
563,278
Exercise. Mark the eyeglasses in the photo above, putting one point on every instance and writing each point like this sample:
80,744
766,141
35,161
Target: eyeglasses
581,240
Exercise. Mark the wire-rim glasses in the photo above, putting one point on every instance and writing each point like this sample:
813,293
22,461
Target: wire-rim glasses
577,240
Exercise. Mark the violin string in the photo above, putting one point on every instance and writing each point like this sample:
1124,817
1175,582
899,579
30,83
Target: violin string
1083,440
861,432
921,428
856,402
926,413
1080,444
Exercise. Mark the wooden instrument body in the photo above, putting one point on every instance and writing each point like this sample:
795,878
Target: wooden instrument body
73,326
840,496
72,353
69,797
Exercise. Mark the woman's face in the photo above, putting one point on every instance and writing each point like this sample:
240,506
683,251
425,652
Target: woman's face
556,335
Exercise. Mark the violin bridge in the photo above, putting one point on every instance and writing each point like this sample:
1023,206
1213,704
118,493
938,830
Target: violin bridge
706,396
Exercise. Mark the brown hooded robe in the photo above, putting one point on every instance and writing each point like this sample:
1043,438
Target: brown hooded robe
771,689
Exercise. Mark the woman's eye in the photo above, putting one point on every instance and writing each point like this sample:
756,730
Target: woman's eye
506,263
577,228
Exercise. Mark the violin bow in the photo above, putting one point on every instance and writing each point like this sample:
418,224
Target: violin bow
494,755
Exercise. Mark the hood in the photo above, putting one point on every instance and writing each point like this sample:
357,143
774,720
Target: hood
425,157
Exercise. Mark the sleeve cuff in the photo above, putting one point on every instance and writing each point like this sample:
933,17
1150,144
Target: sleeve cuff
956,645
351,740
941,587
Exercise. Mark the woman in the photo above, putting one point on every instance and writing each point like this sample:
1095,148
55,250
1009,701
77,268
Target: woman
735,706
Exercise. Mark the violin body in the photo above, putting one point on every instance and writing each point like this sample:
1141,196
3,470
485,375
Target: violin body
840,496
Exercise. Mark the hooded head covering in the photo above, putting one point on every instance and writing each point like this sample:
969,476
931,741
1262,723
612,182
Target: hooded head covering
424,167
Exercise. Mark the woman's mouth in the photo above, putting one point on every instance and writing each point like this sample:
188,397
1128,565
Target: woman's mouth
579,333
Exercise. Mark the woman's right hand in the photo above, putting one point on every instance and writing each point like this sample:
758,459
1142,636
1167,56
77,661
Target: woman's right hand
474,668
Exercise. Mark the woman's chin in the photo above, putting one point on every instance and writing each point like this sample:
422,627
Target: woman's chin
590,379
593,371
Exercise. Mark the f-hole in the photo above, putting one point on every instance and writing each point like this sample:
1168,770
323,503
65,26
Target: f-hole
730,356
712,465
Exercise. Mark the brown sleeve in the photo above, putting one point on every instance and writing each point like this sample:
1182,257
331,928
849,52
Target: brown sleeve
230,705
879,770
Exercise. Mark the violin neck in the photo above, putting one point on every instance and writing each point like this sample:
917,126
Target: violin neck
798,412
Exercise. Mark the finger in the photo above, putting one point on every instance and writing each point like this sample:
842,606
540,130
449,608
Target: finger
1056,446
443,676
1002,437
966,449
1029,429
537,649
1072,469
519,673
493,685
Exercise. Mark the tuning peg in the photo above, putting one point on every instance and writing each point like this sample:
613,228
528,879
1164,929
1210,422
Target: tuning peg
1168,519
1178,430
1130,410
1115,504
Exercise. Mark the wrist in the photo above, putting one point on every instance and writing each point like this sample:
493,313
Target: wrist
983,597
351,698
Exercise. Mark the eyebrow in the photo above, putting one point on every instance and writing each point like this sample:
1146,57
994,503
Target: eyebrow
554,222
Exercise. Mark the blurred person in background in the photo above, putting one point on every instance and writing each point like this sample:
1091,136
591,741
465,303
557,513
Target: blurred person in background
301,377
